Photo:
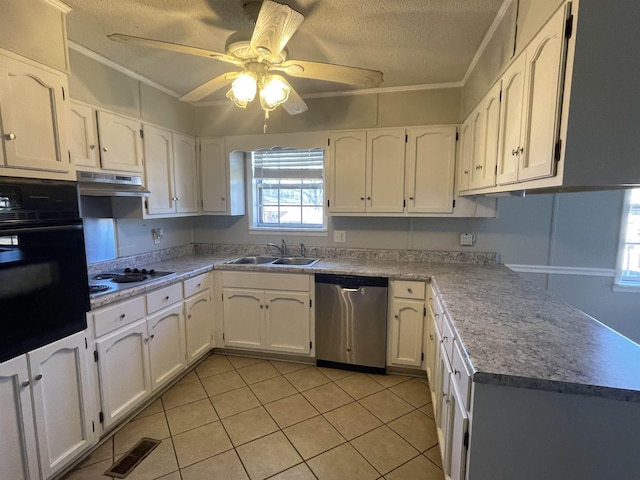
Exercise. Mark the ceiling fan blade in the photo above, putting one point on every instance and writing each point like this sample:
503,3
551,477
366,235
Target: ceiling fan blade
294,104
174,47
275,25
332,73
209,87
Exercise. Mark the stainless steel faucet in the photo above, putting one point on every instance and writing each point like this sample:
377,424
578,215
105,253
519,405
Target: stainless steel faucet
302,250
281,248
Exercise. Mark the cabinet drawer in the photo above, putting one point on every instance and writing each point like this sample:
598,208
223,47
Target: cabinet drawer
163,298
405,289
118,315
461,375
266,281
197,284
447,338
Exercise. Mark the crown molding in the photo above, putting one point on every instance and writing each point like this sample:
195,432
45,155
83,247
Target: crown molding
63,7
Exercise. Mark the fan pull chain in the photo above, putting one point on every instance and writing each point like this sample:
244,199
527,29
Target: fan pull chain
266,117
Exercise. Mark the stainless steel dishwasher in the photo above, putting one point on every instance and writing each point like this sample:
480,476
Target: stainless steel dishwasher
351,322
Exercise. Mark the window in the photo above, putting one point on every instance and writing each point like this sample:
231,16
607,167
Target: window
288,189
628,271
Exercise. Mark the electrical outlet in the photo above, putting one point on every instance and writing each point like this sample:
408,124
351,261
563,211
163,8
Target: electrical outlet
467,239
339,236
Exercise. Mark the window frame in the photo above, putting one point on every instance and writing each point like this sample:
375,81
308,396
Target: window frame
619,284
254,206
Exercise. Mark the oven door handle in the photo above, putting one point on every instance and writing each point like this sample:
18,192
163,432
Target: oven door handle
39,229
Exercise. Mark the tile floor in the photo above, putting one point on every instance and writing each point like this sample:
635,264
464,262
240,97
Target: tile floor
245,418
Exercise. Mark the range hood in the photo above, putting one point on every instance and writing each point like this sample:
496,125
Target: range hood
97,184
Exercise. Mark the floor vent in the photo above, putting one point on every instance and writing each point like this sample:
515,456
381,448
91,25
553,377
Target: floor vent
132,458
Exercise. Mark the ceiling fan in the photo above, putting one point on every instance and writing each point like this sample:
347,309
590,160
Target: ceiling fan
261,56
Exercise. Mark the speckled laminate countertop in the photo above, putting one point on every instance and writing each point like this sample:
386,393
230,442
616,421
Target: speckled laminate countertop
513,333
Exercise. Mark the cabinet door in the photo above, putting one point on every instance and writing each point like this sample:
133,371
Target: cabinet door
123,371
545,60
287,322
511,121
167,355
431,159
214,175
18,455
466,156
33,119
405,343
83,136
385,170
185,173
158,154
458,426
61,400
479,136
430,347
485,138
347,171
199,325
243,317
120,143
443,408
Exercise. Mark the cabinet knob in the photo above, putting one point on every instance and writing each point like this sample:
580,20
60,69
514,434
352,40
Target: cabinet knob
105,149
122,315
520,150
222,199
261,306
178,198
92,147
10,136
361,198
431,336
152,336
479,167
456,373
166,299
395,316
146,339
38,377
410,290
514,151
368,198
410,198
198,285
25,383
466,172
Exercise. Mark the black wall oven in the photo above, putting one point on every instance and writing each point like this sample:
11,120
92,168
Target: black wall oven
44,292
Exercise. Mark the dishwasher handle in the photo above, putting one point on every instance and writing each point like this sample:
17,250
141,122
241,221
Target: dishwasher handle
349,289
351,281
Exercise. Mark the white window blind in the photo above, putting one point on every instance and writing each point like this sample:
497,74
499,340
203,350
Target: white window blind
628,271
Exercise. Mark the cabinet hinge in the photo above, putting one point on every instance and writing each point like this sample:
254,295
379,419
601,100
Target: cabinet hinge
310,303
328,203
568,29
101,417
93,426
424,311
406,138
457,135
64,95
86,344
328,142
69,153
95,355
500,96
222,297
454,203
465,441
146,205
422,356
223,337
556,153
310,344
404,203
202,203
141,134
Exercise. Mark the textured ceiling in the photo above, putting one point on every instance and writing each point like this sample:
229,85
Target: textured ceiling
413,42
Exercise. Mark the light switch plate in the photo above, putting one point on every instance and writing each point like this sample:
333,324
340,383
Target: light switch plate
467,239
339,236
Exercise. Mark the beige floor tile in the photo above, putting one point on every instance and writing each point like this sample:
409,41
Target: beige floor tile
417,429
288,367
190,416
268,455
428,410
200,443
273,389
171,476
352,420
223,382
247,426
213,365
389,380
313,437
359,385
153,408
235,401
327,397
100,454
241,362
434,455
414,391
417,469
290,410
335,373
192,376
342,463
386,405
299,472
258,372
90,472
154,426
384,449
160,462
307,378
225,466
183,394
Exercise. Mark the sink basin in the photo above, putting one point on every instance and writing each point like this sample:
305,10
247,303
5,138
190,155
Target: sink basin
255,260
295,261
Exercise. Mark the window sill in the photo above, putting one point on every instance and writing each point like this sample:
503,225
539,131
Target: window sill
626,287
303,232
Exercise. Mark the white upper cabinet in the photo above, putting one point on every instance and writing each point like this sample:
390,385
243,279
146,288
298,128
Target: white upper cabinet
83,136
385,170
120,143
465,156
221,178
348,167
185,173
484,123
32,117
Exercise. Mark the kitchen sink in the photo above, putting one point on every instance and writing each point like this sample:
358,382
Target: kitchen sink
254,259
265,260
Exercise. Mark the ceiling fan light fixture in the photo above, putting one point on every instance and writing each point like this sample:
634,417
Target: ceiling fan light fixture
273,92
243,89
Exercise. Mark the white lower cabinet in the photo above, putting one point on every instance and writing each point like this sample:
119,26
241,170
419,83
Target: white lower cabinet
45,406
406,322
166,340
268,319
198,311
